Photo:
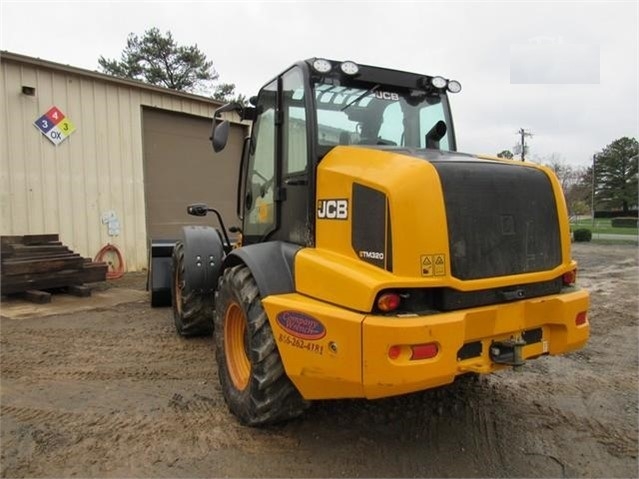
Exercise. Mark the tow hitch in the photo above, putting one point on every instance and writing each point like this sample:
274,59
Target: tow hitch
508,352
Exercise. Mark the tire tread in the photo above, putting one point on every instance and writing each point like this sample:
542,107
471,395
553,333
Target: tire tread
195,317
270,396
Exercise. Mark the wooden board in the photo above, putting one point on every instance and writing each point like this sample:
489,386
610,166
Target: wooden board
28,239
92,273
36,296
32,263
31,266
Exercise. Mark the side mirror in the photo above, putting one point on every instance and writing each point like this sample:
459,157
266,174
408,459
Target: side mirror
197,209
435,134
219,135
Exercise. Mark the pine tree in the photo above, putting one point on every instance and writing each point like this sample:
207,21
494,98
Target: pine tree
157,59
616,175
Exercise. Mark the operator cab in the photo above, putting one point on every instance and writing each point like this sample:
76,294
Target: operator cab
361,105
311,108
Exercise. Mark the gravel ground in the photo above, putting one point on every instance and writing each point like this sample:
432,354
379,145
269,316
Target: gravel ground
114,392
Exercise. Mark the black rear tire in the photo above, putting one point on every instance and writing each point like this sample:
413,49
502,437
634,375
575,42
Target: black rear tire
254,383
192,310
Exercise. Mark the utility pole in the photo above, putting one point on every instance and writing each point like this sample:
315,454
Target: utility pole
523,133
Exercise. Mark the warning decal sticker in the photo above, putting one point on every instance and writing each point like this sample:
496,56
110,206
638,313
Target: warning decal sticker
433,264
440,264
427,265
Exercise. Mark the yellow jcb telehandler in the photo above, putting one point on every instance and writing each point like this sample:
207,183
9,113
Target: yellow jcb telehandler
373,259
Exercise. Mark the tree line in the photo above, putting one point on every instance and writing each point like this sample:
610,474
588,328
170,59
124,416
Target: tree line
614,183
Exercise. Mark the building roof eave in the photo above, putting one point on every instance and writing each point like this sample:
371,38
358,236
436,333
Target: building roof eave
19,58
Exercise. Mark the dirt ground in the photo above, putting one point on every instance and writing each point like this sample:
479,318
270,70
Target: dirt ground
114,392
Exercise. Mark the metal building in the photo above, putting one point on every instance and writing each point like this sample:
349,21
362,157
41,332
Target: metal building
100,159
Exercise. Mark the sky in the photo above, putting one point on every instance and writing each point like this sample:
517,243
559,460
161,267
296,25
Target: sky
567,72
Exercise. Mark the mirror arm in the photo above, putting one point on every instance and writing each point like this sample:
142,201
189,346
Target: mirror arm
219,218
233,106
200,209
245,112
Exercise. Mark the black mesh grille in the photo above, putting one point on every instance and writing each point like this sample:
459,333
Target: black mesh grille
502,219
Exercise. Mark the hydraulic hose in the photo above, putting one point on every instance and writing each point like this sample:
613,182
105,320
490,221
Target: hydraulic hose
112,273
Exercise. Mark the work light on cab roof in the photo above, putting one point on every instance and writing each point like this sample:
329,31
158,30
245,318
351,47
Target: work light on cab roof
454,86
322,66
349,68
438,82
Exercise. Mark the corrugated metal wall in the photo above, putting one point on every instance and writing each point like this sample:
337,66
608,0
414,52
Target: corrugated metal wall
65,189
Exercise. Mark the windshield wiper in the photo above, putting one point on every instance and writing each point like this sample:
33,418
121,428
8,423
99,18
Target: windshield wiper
367,92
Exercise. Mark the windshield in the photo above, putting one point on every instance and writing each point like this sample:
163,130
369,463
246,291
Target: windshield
379,115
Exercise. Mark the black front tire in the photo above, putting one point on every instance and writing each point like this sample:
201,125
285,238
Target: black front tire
254,383
192,310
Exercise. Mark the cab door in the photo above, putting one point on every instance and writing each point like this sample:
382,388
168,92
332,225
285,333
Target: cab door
275,203
259,212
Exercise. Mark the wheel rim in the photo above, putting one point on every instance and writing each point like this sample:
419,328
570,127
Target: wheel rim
178,292
237,361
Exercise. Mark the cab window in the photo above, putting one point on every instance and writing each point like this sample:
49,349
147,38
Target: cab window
295,147
429,115
259,205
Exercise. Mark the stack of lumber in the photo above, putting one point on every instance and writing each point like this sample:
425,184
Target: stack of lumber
41,262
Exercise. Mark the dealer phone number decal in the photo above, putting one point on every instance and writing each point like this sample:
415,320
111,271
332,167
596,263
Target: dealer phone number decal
301,344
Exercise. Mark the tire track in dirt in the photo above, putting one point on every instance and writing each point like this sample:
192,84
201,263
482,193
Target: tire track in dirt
118,393
144,375
122,435
619,442
66,354
109,337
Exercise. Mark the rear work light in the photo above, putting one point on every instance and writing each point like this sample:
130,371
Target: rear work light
569,278
581,318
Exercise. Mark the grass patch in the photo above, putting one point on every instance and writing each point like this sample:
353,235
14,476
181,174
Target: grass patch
603,226
614,241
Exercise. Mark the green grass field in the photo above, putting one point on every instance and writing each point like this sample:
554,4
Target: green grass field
602,225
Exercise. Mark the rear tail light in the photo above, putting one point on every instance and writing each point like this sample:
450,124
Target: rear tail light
581,318
424,351
417,351
388,302
394,352
569,278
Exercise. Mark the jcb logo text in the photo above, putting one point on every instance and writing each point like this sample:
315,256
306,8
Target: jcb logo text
386,95
332,209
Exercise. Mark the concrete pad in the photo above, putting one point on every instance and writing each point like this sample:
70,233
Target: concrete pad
61,303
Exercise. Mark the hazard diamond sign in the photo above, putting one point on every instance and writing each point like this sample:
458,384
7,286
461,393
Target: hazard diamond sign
54,125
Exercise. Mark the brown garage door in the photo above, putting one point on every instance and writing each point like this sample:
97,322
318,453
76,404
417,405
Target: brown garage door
180,168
